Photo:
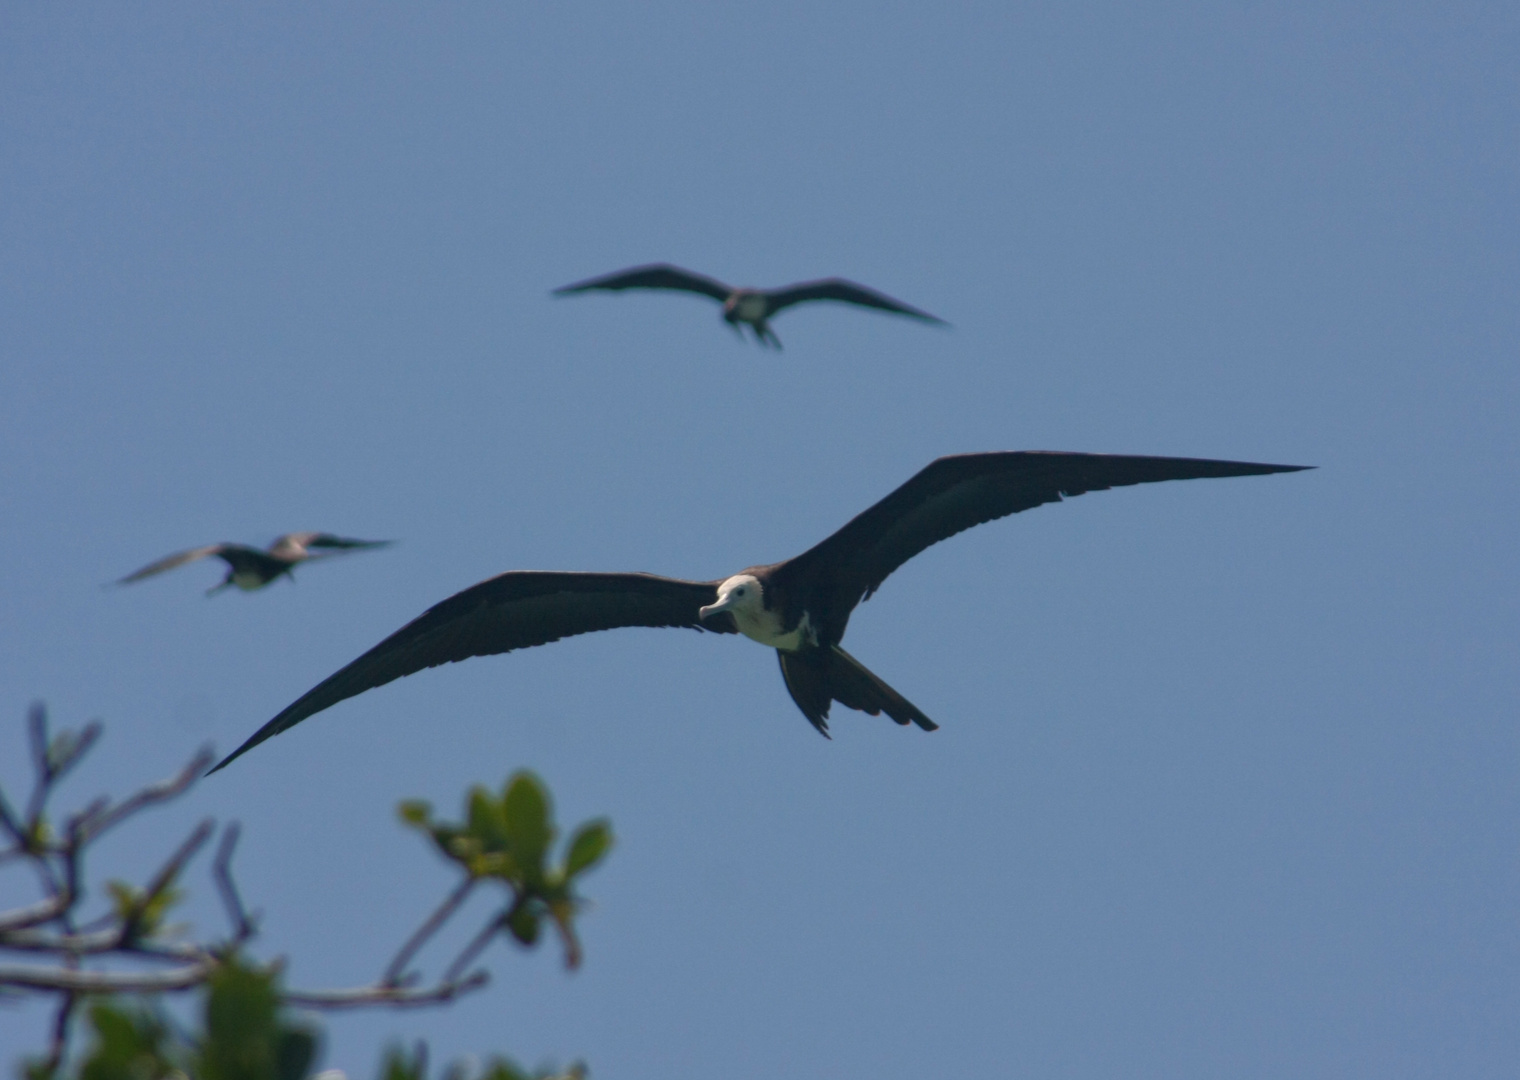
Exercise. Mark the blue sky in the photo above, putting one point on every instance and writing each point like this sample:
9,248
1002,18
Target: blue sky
1226,780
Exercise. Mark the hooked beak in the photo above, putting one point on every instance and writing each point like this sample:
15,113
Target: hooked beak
723,604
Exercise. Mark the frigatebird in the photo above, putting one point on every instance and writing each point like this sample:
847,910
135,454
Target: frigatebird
753,307
798,607
250,568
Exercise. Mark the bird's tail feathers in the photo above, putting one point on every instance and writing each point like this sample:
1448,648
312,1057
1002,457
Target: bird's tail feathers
818,677
855,686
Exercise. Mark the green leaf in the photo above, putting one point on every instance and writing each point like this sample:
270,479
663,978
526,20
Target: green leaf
61,748
591,842
526,805
294,1055
415,812
129,1045
502,1069
245,1036
523,923
398,1066
124,898
487,822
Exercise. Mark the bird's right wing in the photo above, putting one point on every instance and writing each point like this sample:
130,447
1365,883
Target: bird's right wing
326,540
848,292
179,558
311,546
515,610
955,493
653,276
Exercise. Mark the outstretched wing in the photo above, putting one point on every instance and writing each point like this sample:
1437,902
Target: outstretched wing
327,540
179,558
304,546
848,292
954,493
511,611
652,276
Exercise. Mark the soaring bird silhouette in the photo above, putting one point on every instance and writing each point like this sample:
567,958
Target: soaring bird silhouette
250,568
799,607
753,307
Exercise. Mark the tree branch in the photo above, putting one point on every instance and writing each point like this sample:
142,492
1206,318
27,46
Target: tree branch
108,982
146,963
382,994
474,948
397,967
91,830
59,1043
243,927
43,911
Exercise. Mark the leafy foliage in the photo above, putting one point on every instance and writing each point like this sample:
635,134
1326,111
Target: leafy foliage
508,838
399,1065
244,1037
128,1043
111,972
140,912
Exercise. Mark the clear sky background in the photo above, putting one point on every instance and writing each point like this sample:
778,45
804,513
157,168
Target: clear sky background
1227,777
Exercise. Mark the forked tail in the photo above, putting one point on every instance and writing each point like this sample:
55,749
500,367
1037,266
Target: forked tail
820,676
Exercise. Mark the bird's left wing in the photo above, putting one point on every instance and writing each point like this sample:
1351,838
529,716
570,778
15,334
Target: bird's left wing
652,276
516,610
848,292
179,558
952,494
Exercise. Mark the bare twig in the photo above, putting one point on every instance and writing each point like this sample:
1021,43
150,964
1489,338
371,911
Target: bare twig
87,739
108,982
11,825
154,793
101,943
166,875
37,740
382,994
60,1040
243,927
397,967
477,944
43,911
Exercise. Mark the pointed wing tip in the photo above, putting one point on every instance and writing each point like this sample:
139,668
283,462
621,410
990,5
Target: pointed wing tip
257,738
268,731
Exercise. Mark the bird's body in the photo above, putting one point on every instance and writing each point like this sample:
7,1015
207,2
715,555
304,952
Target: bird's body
800,607
251,568
745,306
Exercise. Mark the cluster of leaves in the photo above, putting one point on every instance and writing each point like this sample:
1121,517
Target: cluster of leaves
399,1065
508,839
245,1036
112,970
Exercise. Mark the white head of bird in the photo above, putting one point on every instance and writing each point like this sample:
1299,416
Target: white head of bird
743,597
